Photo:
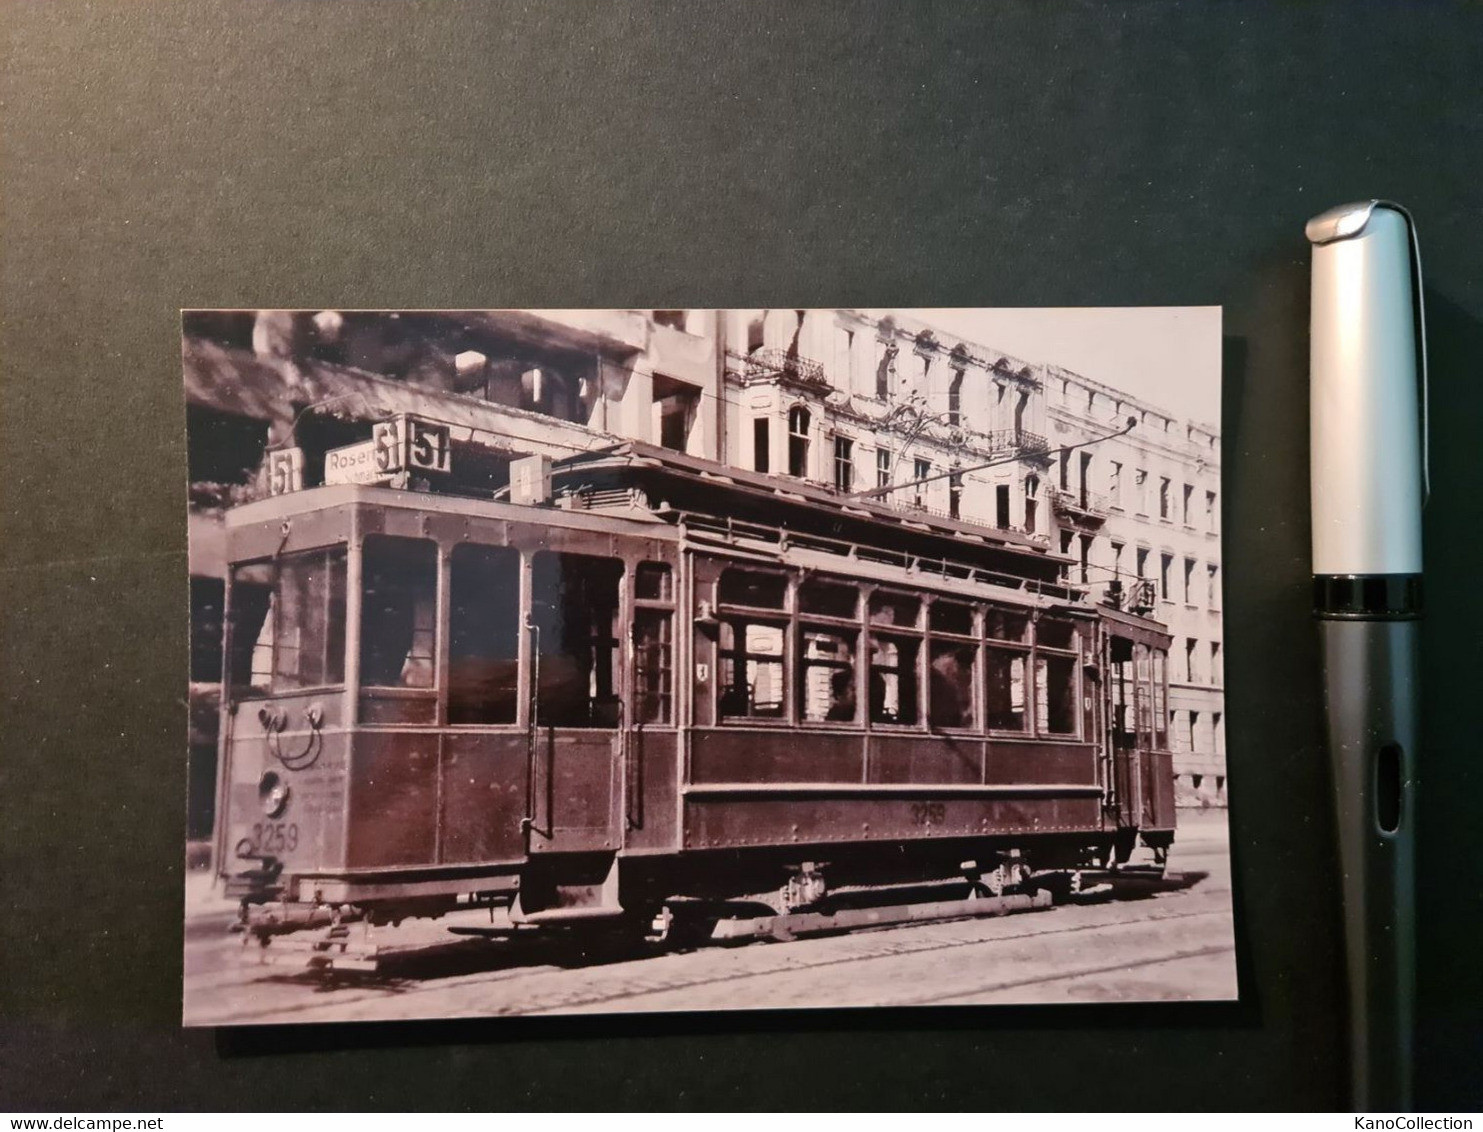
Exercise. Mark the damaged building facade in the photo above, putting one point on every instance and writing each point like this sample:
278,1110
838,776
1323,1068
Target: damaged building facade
953,432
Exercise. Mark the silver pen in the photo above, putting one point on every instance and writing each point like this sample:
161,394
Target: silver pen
1369,483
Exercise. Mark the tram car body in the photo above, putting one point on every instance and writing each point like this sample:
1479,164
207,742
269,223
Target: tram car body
668,680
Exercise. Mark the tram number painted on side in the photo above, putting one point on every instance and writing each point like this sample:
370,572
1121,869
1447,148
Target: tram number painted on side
275,837
928,813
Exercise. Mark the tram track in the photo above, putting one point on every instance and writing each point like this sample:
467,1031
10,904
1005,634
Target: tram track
553,988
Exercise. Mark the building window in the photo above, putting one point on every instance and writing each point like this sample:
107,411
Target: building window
1001,506
1165,503
885,370
1142,562
1186,517
798,426
1117,560
1032,487
955,495
1115,483
921,469
955,399
1215,673
1210,512
761,445
1140,491
1065,470
1212,592
1190,645
844,464
677,404
844,359
1166,568
1086,559
1189,581
882,467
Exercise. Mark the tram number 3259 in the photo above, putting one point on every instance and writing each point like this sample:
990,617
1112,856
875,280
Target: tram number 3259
275,837
928,813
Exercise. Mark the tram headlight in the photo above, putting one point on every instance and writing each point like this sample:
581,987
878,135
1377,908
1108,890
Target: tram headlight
273,793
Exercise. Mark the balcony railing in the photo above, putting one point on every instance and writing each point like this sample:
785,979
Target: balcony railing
777,364
1015,442
1079,504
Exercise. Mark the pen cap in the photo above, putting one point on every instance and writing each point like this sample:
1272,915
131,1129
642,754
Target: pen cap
1366,396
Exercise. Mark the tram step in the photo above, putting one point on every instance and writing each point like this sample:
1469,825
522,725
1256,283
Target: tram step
849,919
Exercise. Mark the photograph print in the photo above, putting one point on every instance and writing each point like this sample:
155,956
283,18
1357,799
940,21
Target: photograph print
559,661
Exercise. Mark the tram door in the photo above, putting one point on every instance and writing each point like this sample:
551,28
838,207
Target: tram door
575,714
1128,727
1137,733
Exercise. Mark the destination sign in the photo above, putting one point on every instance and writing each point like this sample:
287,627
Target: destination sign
354,463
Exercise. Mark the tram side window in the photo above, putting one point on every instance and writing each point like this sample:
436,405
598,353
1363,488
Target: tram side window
753,678
653,665
827,665
398,612
1121,677
1055,678
288,622
751,670
653,644
483,634
826,681
895,658
1160,700
953,665
1142,708
1006,659
574,606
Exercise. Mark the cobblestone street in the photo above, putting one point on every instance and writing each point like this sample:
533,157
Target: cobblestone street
1170,941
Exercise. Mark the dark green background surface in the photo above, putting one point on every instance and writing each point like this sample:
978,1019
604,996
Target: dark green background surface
539,154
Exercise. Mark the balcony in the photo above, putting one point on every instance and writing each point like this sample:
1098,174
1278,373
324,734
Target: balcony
778,365
1080,508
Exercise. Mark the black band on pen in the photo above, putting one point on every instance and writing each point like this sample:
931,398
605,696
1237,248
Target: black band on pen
1367,597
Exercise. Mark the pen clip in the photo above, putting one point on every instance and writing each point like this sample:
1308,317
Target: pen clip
1419,319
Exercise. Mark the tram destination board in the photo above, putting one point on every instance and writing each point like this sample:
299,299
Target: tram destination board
648,660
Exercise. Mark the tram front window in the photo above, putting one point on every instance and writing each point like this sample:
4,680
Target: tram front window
287,626
484,634
574,606
398,612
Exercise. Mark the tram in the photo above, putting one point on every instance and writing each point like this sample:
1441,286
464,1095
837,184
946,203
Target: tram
654,679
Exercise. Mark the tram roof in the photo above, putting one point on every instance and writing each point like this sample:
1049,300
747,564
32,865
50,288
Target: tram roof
691,484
